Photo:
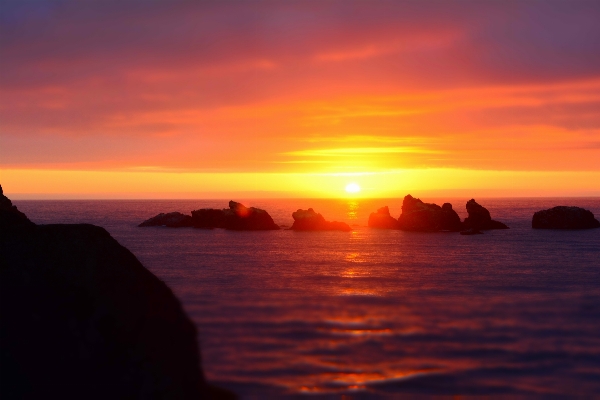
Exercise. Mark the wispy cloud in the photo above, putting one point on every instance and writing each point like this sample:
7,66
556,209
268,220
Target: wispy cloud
346,151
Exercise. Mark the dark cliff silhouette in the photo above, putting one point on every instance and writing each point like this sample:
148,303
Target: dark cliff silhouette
81,318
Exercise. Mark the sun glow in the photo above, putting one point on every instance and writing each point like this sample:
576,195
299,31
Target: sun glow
352,188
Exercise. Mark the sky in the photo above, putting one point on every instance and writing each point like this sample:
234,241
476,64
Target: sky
179,99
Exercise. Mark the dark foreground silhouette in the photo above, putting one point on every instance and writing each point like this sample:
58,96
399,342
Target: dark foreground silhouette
81,318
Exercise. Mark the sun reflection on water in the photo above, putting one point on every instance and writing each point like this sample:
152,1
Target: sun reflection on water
352,213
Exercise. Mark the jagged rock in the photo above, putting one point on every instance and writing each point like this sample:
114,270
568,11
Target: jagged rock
479,218
471,232
563,217
238,217
171,220
309,220
83,319
382,219
10,215
419,216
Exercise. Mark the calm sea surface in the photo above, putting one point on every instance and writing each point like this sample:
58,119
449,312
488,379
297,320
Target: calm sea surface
375,313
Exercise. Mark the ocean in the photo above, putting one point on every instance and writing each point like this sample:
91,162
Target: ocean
374,313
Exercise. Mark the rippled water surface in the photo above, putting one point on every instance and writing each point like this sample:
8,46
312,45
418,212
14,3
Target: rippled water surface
374,313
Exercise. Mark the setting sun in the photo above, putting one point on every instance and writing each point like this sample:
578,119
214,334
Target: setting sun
352,188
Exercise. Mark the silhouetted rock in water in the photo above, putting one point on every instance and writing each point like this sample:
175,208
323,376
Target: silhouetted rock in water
9,214
382,219
563,217
419,216
479,218
471,232
238,217
309,220
83,319
171,220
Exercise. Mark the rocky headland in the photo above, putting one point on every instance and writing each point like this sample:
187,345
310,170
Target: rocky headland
237,217
309,220
83,319
563,217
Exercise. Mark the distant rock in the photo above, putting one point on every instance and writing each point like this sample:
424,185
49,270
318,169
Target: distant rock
83,319
309,220
171,220
382,219
479,218
237,217
419,216
563,217
9,214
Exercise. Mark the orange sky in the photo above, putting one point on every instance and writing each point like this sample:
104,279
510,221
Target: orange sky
291,99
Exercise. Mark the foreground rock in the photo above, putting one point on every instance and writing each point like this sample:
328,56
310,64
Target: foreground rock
237,217
382,219
10,216
171,220
563,217
83,319
480,219
419,216
309,220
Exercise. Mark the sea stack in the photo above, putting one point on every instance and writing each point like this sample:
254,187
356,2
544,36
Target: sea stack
309,220
563,217
170,220
237,217
419,216
382,219
83,319
479,218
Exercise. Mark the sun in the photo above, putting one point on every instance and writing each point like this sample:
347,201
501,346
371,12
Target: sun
352,187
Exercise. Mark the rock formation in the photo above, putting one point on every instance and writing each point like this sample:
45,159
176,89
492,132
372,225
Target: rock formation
83,319
419,216
563,217
237,217
382,219
479,218
171,220
309,220
9,215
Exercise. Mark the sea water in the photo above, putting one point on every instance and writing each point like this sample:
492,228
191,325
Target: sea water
375,313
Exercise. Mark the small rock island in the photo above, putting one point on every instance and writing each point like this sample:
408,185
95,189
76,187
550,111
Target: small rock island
309,220
563,217
237,217
382,219
428,217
